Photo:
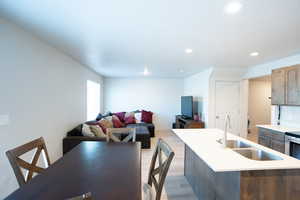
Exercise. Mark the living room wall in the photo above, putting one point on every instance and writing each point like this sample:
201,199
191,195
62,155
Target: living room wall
197,86
43,92
159,95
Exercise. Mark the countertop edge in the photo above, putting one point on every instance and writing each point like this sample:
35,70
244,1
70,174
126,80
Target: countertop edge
290,166
278,128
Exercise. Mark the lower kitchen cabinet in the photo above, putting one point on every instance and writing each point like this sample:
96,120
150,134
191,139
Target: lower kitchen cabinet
271,139
277,146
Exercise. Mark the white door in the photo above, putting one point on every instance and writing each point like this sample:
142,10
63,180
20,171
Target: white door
228,102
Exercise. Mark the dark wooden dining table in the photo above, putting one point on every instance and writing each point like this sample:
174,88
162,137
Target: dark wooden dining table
110,171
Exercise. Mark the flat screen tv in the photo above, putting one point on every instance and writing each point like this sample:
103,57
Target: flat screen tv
187,106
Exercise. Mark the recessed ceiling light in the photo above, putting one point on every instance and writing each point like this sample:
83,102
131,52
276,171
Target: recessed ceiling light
181,70
146,71
233,7
253,54
188,51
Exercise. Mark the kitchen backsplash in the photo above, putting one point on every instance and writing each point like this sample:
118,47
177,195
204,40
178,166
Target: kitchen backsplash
290,116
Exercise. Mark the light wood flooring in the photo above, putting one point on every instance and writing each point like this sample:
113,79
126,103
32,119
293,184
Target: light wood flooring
176,186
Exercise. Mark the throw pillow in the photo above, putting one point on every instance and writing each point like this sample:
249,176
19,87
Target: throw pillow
93,122
105,123
101,116
120,115
97,130
128,114
147,116
109,118
116,122
138,117
129,118
86,131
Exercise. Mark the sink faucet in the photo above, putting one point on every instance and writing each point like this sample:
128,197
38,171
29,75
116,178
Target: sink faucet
227,124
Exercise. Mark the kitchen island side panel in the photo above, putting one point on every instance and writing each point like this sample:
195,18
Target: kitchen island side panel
207,184
281,184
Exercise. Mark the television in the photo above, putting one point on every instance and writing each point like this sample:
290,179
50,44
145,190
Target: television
187,107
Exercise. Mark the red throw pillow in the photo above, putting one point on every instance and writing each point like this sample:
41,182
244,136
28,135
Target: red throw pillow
120,115
147,116
116,122
130,120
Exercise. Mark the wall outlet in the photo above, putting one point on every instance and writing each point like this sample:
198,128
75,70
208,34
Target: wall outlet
4,120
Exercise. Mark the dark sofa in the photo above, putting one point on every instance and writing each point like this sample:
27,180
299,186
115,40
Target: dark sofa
144,132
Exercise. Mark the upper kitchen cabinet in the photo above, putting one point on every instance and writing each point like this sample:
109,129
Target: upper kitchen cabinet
286,86
293,85
278,87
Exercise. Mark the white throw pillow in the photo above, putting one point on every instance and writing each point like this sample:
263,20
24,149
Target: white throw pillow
97,130
86,131
128,114
138,117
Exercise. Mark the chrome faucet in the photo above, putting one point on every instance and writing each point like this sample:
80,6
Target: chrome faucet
227,124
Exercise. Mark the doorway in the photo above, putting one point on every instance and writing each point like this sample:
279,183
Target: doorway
259,105
228,102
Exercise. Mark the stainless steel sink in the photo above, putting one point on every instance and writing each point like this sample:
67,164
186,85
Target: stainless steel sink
235,144
249,151
257,154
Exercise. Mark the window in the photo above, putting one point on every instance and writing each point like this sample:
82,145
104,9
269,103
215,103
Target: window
93,100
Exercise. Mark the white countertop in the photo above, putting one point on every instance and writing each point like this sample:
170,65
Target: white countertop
282,129
204,143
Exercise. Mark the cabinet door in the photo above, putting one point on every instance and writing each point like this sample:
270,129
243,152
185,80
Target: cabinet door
279,136
277,146
293,85
265,141
278,87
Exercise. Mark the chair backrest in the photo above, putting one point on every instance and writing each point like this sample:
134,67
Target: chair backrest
111,134
18,164
163,166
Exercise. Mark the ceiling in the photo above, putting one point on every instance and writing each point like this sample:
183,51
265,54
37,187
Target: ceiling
119,38
262,78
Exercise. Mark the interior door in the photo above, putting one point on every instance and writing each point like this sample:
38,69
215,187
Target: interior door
228,102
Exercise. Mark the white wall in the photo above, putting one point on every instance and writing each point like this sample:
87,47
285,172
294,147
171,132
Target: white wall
259,103
43,92
235,75
161,96
198,86
202,86
290,115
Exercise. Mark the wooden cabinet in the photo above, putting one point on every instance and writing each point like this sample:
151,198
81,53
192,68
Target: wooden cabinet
271,139
293,85
278,87
286,86
277,146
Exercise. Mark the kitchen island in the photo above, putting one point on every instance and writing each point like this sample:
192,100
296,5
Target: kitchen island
234,173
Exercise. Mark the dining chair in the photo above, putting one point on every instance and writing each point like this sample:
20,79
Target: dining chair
111,134
30,167
162,150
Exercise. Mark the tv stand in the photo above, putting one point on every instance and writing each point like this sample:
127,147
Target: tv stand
185,117
182,122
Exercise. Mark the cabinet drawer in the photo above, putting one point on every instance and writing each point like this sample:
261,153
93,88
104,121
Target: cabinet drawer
278,136
265,133
265,141
278,146
274,135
